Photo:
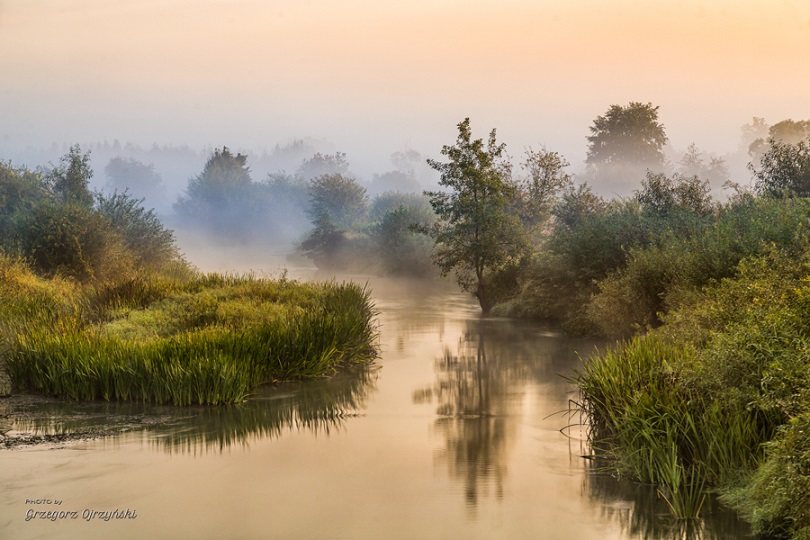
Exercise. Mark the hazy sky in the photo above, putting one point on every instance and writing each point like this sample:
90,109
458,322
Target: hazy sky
378,76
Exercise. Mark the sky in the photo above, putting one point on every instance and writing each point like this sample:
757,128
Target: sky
374,77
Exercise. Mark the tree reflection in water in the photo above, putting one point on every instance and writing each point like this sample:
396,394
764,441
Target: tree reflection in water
477,403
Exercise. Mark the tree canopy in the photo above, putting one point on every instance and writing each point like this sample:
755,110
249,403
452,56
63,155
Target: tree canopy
627,135
476,235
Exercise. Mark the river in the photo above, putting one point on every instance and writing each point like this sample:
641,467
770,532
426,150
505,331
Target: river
463,428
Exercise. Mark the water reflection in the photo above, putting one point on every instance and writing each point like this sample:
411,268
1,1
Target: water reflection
479,393
642,513
317,406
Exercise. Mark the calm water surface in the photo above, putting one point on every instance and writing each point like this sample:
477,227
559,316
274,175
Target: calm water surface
457,431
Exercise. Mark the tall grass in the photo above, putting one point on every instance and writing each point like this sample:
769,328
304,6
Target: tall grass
652,426
209,340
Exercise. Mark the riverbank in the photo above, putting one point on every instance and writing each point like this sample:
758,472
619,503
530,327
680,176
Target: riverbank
204,339
716,399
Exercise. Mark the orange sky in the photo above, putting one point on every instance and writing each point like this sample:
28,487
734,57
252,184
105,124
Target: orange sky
375,76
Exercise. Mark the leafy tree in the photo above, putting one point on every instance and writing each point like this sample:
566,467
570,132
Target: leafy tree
546,179
325,244
73,240
20,190
663,195
129,174
692,164
786,131
151,244
320,164
630,135
223,197
338,198
476,235
394,181
224,178
784,168
391,200
70,180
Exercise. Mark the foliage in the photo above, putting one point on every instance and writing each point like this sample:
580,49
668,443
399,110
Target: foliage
338,198
401,249
139,179
321,164
784,168
629,134
692,164
222,197
211,339
20,190
476,235
729,375
70,180
72,240
545,181
143,234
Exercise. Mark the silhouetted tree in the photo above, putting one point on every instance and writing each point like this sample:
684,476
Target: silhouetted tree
630,134
320,164
139,179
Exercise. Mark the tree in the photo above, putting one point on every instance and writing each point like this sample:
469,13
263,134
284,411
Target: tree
339,198
225,175
476,235
320,164
546,180
139,179
70,180
784,168
787,131
151,244
627,135
663,196
692,164
222,197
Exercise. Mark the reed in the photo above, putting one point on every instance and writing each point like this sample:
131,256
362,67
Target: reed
651,425
210,340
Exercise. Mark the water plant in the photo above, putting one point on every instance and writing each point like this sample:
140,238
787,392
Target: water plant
208,340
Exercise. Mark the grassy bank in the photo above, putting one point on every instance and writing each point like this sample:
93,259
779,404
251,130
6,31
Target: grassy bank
205,339
716,399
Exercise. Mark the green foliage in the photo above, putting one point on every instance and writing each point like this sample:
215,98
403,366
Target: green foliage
538,191
784,168
143,234
72,240
338,198
664,196
692,164
630,134
20,191
70,180
208,340
324,164
476,235
222,198
400,248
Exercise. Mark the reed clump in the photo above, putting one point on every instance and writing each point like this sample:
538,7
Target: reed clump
209,339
